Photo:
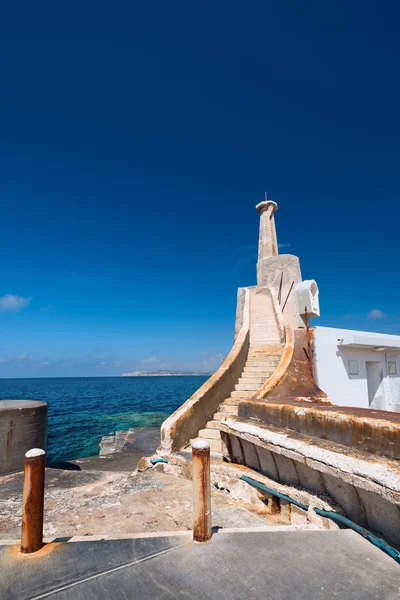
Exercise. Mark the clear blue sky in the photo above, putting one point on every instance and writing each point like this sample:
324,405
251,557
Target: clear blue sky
136,139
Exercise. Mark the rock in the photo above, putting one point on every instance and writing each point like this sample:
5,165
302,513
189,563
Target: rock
109,444
143,464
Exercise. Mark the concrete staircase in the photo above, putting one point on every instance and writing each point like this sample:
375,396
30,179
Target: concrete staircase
265,350
261,363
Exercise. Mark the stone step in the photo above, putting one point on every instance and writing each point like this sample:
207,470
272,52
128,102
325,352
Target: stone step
253,379
263,368
260,363
256,369
264,376
214,424
215,445
263,336
229,401
217,416
242,394
266,361
227,409
270,360
210,434
245,386
270,349
262,352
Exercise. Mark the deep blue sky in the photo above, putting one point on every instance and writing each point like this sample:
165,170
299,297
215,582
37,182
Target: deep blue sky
136,139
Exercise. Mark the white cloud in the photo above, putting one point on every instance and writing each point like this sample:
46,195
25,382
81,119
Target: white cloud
375,314
150,361
13,303
283,245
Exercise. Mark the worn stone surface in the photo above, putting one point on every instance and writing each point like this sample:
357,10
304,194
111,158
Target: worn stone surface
101,501
113,443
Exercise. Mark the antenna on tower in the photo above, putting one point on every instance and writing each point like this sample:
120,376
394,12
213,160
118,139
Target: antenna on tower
266,196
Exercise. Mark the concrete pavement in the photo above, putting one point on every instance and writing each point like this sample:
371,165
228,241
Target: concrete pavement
276,565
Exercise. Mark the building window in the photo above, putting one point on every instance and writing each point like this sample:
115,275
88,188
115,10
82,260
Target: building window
353,367
392,368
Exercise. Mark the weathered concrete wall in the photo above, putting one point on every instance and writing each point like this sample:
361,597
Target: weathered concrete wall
240,310
292,379
23,425
374,431
185,423
284,268
367,490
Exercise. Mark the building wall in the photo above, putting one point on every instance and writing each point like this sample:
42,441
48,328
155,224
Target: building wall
357,376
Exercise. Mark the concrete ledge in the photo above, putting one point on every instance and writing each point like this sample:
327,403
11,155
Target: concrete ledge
368,430
379,473
367,488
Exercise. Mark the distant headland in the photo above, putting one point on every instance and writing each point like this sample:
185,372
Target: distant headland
164,373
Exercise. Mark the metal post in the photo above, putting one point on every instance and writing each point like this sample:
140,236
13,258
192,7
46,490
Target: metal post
33,501
201,491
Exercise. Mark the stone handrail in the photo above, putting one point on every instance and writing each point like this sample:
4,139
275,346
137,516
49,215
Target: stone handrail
184,424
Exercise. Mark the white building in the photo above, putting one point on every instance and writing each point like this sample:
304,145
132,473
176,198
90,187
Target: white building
357,368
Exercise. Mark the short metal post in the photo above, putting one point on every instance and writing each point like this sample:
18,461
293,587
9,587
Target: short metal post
201,491
33,501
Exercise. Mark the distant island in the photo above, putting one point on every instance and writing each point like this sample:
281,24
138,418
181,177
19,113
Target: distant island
163,373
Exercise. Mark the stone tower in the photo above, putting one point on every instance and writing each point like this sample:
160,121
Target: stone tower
280,272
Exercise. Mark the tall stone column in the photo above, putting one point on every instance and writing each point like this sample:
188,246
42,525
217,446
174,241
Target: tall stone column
280,272
267,242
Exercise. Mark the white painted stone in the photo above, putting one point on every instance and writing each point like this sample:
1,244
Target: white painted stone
201,444
34,453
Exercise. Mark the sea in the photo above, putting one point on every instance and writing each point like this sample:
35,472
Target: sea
81,410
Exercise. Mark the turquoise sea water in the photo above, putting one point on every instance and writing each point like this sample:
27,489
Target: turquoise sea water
83,409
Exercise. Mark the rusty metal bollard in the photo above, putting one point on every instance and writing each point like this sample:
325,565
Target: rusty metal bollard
201,491
33,501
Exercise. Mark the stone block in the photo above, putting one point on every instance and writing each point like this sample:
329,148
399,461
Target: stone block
272,504
250,455
346,496
310,478
267,463
382,516
286,470
286,511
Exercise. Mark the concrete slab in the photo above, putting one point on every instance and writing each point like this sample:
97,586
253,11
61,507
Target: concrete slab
279,565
